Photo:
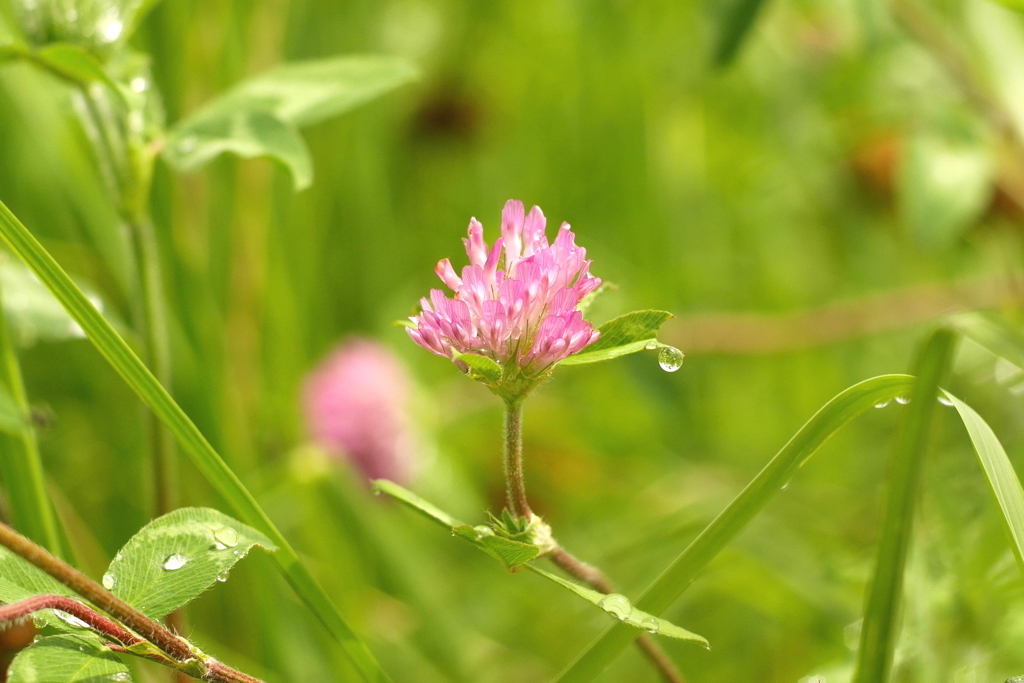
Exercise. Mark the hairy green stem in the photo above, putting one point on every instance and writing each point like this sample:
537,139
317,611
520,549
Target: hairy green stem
515,486
31,509
515,490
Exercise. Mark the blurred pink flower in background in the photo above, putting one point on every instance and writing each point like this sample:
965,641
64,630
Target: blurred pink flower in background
356,407
516,301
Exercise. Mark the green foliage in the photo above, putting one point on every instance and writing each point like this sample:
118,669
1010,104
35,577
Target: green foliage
262,116
945,185
736,20
622,336
884,603
621,609
68,659
141,380
176,557
481,368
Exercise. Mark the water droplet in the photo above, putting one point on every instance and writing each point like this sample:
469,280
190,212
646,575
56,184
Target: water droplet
109,581
225,537
651,345
70,619
903,400
616,605
38,622
1015,679
945,401
670,358
882,404
120,676
223,576
483,531
175,561
785,486
650,624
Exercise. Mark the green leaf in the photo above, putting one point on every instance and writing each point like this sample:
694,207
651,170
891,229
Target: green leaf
261,116
20,580
588,301
735,518
508,552
32,311
1002,478
620,608
881,615
68,659
622,336
248,134
735,20
12,420
945,183
480,367
121,357
71,62
994,333
176,557
1016,5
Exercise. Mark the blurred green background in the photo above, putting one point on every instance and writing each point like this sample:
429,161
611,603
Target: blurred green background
804,209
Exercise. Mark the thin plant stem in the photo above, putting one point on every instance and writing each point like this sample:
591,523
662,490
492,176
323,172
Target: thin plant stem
520,506
179,650
596,579
515,487
31,508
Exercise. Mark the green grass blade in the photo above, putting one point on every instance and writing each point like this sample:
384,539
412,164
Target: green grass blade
736,24
681,573
882,613
31,510
141,380
993,333
1005,484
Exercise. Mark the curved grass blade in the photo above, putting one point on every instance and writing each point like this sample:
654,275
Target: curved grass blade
1006,486
681,573
207,460
882,612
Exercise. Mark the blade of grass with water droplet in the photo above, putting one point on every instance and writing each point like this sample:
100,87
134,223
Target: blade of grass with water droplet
882,612
735,518
117,352
1002,478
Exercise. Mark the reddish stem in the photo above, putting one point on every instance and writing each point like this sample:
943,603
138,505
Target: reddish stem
108,627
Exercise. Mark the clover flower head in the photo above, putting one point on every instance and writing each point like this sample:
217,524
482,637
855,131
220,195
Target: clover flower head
356,407
516,302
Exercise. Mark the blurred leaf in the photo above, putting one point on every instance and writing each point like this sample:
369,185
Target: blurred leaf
736,20
410,499
735,518
71,62
207,460
945,183
176,557
261,116
880,630
1016,5
33,313
634,617
67,659
999,471
622,336
994,333
588,301
12,420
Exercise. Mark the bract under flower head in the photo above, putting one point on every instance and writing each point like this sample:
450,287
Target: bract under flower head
516,302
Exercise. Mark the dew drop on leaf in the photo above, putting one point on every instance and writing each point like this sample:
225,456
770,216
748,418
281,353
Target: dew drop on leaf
225,537
109,581
650,624
483,531
223,576
670,358
651,345
616,605
175,561
903,400
882,404
120,676
70,619
945,401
